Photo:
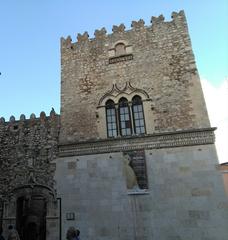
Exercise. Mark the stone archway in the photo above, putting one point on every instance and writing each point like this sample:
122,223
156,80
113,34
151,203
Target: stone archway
31,217
36,212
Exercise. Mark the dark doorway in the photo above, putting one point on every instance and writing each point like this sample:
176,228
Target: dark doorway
31,217
31,231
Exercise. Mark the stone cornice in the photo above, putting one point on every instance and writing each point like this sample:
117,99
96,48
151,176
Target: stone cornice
154,141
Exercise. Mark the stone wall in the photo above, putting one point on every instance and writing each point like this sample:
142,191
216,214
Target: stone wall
157,59
27,148
223,168
184,196
185,199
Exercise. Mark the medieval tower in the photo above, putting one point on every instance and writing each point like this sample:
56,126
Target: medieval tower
131,155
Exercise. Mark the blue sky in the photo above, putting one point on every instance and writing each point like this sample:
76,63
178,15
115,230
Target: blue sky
30,42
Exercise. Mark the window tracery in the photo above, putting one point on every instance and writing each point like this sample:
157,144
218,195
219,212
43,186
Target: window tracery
123,111
130,116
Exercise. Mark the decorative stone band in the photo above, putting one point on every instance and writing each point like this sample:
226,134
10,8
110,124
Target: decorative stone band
154,141
121,58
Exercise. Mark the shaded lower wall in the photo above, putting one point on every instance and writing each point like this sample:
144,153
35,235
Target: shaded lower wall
185,199
27,148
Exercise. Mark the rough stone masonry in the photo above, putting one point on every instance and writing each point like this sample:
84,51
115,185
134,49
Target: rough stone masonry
131,155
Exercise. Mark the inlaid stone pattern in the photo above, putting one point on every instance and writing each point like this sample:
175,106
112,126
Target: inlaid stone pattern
27,148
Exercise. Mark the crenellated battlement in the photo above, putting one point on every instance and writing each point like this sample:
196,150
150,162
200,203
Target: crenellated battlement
178,19
53,116
157,58
134,137
28,146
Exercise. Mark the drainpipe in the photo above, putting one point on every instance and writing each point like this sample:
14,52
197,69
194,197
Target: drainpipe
1,211
60,218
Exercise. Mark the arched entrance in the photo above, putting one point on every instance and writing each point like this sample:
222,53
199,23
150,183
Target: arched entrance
33,205
31,217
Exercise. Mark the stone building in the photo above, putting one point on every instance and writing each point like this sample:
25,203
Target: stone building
223,168
131,155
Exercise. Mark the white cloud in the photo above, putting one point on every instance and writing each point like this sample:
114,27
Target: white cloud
217,105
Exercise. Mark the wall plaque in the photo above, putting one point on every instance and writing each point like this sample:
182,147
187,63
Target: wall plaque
135,169
70,216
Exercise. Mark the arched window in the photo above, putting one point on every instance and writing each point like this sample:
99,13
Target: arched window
124,108
138,116
111,119
120,49
124,117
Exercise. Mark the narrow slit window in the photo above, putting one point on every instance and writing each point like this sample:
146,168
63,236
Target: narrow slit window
138,115
111,119
124,118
